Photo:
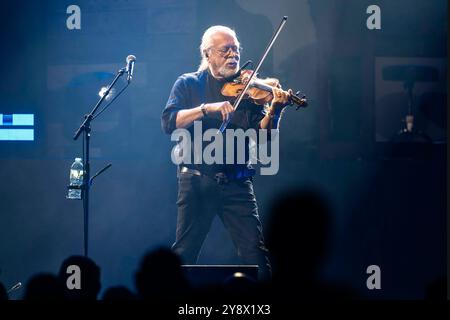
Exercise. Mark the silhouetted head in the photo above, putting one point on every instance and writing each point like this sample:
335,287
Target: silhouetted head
118,293
44,286
3,293
298,233
437,289
160,275
88,281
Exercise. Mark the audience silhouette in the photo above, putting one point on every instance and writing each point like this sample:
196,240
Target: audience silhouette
437,289
89,278
118,293
299,231
160,277
44,286
298,238
3,293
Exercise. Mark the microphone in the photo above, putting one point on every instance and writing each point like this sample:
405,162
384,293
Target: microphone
130,66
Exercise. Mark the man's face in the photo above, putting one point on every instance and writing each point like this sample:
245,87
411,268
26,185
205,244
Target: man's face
223,56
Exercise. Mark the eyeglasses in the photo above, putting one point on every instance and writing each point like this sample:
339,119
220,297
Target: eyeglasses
225,50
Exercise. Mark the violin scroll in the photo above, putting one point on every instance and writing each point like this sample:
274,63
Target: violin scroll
300,102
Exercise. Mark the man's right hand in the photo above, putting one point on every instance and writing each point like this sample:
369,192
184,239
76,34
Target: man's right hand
223,108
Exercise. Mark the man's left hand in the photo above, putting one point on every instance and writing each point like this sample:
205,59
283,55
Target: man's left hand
280,98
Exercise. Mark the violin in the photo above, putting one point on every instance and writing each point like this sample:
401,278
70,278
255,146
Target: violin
259,91
262,89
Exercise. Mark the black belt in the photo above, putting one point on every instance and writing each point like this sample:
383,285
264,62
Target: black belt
220,177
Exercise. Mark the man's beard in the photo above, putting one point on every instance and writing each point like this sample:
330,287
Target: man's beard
226,72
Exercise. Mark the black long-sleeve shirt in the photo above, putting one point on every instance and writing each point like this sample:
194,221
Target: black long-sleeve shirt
192,89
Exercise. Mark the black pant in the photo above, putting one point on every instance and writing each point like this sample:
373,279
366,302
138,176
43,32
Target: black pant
200,198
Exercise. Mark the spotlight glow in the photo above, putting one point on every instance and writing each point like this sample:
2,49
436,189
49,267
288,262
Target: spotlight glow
103,91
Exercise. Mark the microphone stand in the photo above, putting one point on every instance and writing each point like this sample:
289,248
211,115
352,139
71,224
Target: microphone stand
85,127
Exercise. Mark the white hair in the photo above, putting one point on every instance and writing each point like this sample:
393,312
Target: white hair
207,42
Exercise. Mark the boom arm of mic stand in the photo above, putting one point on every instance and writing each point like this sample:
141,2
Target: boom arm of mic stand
88,117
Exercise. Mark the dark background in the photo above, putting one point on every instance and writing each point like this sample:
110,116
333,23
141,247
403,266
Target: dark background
389,207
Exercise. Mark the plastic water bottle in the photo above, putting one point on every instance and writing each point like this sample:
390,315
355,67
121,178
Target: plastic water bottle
76,180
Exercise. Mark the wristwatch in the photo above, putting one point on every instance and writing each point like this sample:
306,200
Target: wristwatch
202,107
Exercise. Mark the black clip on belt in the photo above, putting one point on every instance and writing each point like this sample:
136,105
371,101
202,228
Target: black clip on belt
221,178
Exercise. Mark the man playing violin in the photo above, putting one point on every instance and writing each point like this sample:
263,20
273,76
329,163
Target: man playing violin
205,190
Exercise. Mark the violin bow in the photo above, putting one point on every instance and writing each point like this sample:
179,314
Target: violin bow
241,95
